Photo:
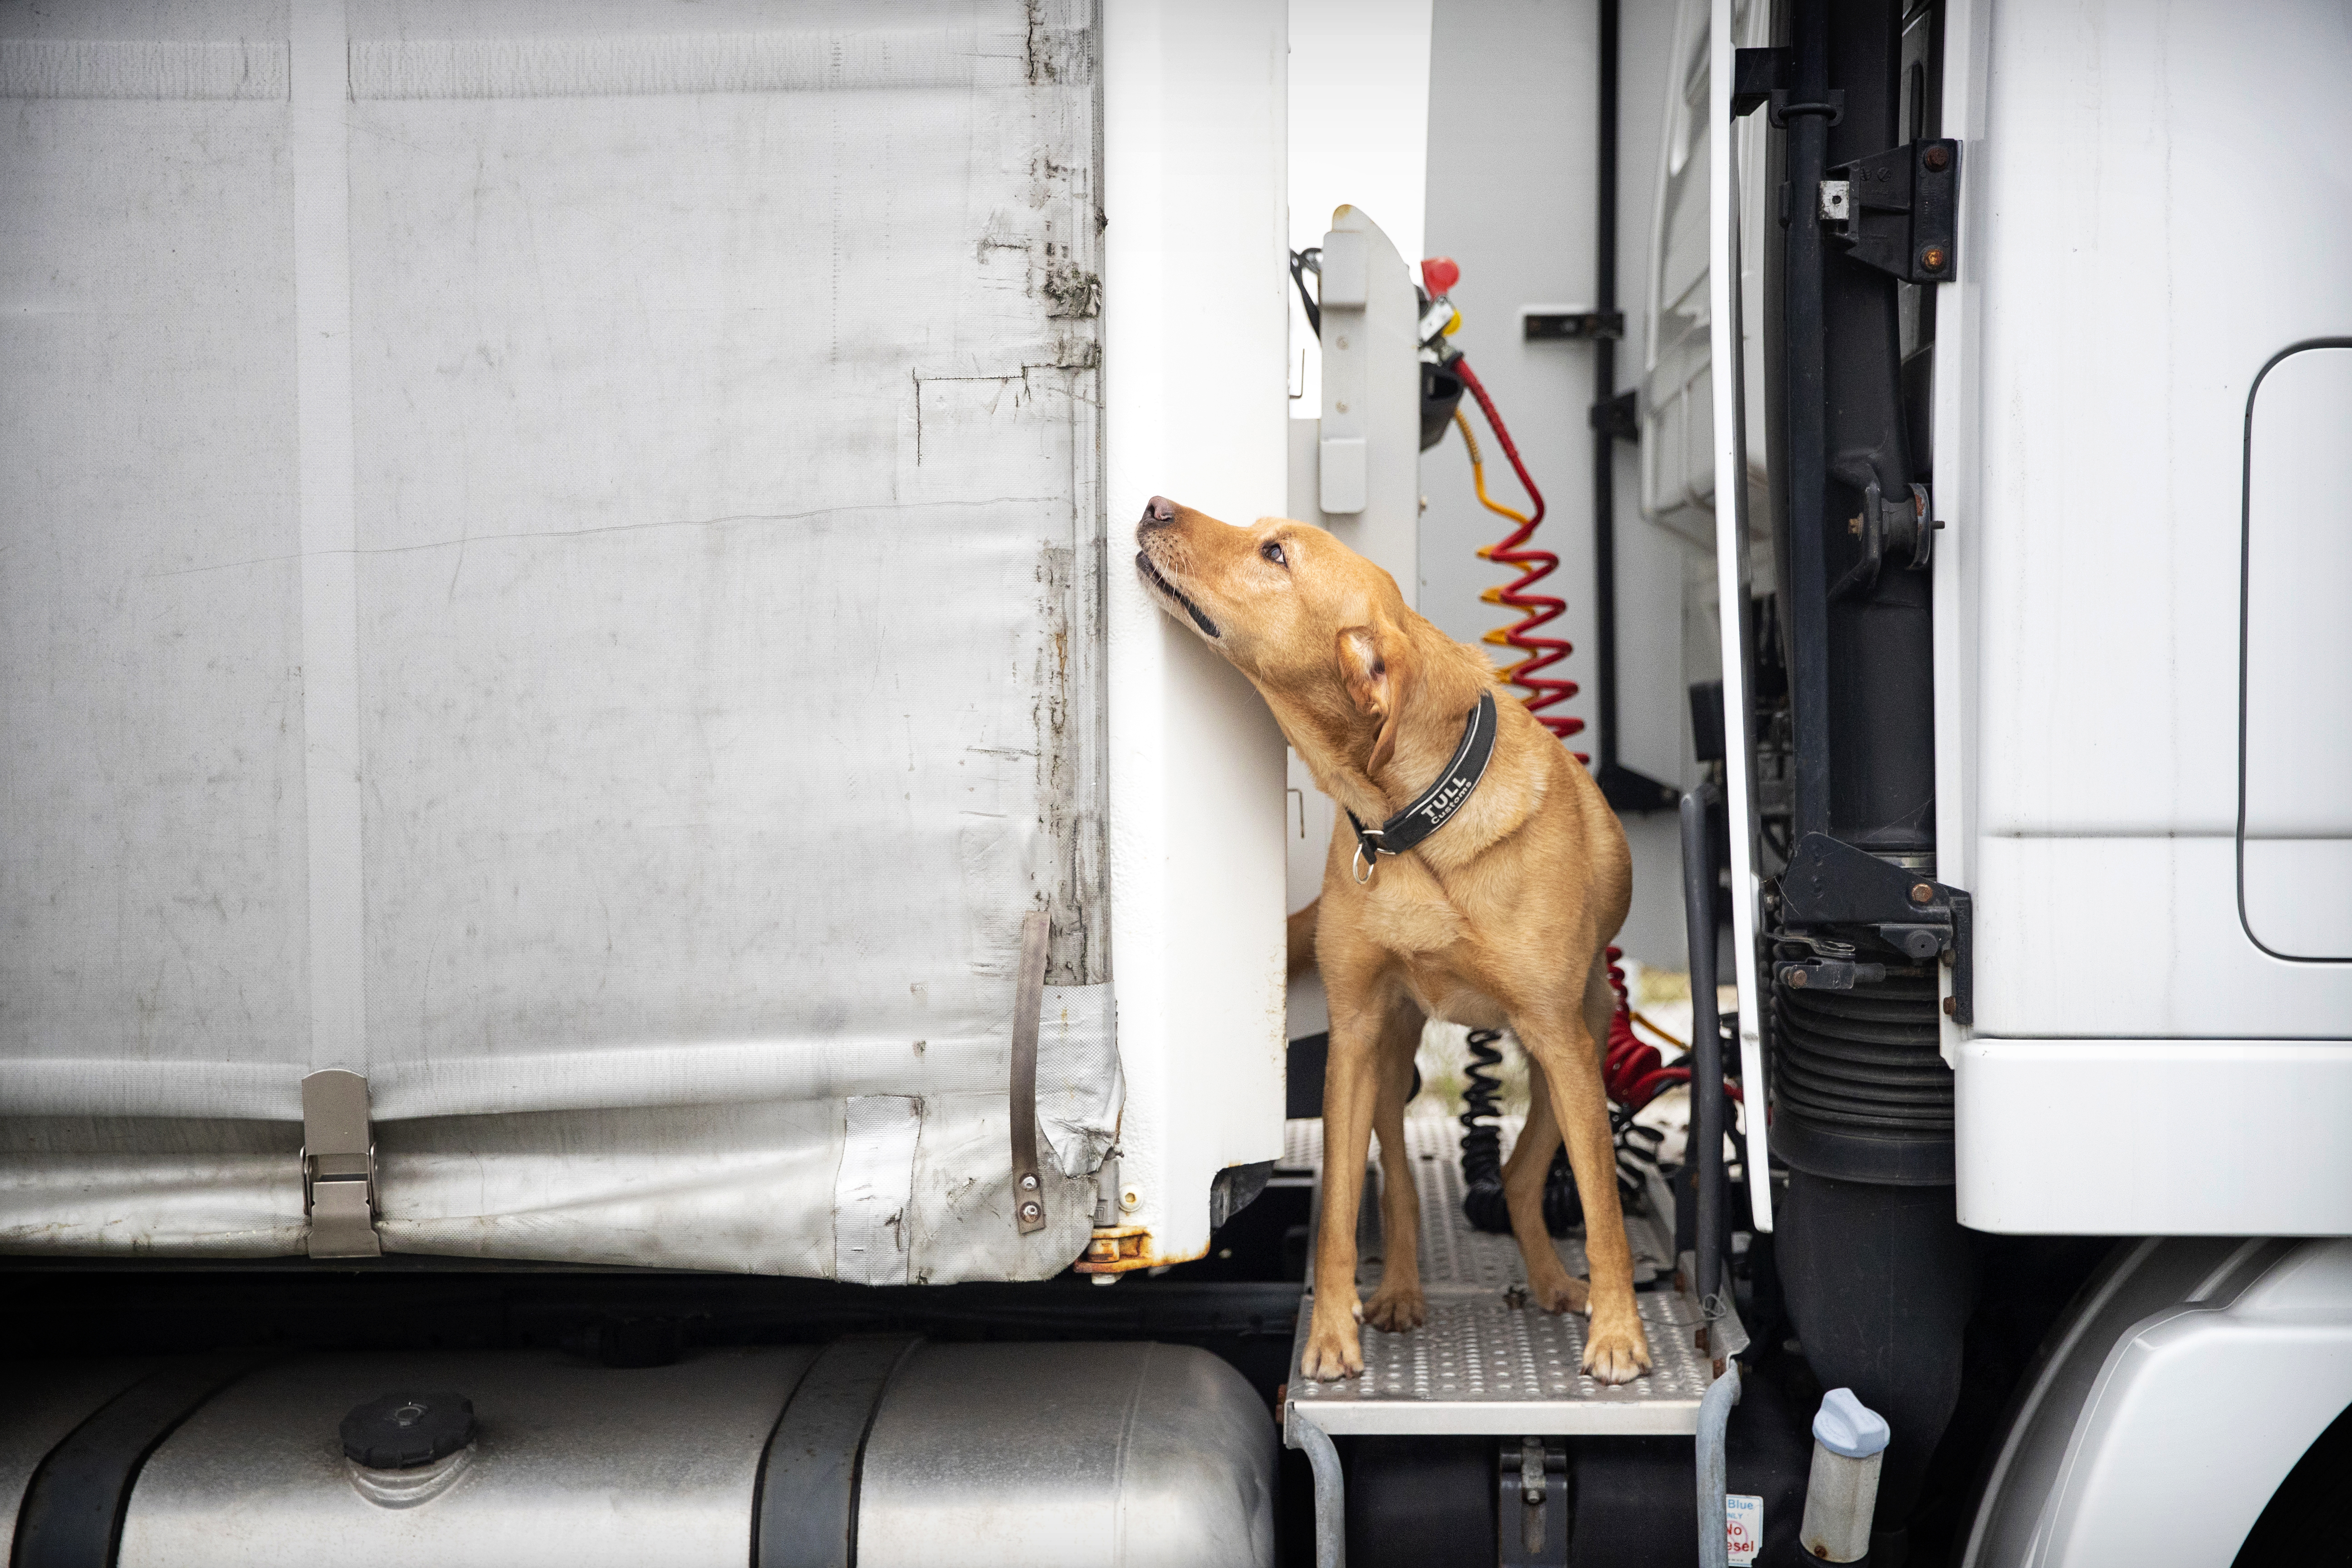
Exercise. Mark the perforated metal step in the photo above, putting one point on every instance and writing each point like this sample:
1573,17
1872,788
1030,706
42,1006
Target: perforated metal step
1487,1361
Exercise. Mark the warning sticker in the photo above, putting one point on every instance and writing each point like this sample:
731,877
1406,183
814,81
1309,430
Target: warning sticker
1743,1528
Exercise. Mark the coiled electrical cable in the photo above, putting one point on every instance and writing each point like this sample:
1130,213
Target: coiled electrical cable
1483,1204
1537,610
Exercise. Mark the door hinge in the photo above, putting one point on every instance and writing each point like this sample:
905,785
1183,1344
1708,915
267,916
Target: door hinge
339,1165
1831,883
1898,210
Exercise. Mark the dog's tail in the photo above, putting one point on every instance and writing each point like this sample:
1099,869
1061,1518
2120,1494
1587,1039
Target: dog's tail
1302,940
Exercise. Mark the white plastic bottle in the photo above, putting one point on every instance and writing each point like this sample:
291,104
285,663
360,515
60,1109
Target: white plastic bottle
1849,1441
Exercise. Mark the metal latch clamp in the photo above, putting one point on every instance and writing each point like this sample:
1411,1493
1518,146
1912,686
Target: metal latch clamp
339,1165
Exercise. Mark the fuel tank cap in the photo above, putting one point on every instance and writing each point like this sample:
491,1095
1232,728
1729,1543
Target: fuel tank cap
401,1430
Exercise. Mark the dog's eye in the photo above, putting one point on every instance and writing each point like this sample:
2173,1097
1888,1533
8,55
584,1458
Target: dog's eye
1272,550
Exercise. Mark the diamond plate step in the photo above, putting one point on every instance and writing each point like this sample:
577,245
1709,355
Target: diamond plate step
1485,1364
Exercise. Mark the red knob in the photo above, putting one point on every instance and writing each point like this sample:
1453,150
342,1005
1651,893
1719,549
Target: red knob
1439,275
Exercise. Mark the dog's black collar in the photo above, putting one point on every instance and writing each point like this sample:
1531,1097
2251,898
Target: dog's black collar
1437,803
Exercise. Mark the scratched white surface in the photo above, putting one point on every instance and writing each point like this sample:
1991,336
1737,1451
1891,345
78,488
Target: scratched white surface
617,695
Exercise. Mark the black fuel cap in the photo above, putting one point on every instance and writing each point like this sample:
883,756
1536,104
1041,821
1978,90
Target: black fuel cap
401,1431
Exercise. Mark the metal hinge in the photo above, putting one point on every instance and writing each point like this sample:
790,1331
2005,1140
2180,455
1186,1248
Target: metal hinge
339,1165
1898,210
1831,883
1531,1523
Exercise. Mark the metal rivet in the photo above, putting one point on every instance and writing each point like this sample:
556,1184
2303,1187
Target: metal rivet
1951,1006
1797,979
1937,158
1932,259
1028,1183
1921,891
1030,1210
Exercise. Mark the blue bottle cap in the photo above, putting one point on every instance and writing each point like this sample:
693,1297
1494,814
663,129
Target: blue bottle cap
1846,1425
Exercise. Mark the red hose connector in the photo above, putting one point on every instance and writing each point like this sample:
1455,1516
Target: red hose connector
1631,1069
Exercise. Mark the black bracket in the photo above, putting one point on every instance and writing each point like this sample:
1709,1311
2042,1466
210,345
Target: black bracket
1831,883
1827,973
1619,417
1898,210
1572,326
1757,74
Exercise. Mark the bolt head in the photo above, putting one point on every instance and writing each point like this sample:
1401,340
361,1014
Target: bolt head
1932,259
1030,1210
1029,1184
1797,980
1951,1006
1937,158
1921,892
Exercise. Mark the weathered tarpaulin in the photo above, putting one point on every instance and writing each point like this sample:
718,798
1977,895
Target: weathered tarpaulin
553,560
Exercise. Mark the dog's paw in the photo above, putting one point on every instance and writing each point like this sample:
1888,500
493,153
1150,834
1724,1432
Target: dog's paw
1335,1348
1397,1310
1617,1351
1563,1294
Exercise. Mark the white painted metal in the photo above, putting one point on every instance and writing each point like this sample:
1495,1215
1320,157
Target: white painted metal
2179,1396
1194,123
2295,832
2087,589
1957,435
1358,88
1725,346
1367,472
2218,1137
1678,403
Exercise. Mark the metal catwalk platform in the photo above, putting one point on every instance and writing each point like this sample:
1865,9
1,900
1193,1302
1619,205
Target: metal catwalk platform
1487,1361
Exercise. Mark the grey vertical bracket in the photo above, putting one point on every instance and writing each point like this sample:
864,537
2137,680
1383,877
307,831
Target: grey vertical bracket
339,1165
1028,999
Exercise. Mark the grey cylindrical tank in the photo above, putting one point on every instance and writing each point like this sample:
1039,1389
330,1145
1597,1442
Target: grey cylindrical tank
1129,1454
1080,1454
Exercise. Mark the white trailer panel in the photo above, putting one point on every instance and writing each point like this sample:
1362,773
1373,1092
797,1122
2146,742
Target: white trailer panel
554,560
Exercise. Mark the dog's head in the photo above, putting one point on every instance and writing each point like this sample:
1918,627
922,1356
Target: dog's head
1308,620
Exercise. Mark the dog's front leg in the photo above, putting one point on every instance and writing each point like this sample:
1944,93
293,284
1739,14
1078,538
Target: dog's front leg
1350,1084
1398,1304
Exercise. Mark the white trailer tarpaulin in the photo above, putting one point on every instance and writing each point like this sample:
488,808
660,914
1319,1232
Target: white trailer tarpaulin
553,560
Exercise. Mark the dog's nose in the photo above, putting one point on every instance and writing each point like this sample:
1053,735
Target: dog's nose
1158,513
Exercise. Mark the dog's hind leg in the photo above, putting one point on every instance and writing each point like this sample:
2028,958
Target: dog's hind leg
1398,1304
1564,1045
1555,1289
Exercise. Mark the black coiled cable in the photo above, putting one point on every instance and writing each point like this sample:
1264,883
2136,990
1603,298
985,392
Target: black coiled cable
1482,1151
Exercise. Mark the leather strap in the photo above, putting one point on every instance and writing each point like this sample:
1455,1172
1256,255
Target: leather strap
1028,1001
1434,807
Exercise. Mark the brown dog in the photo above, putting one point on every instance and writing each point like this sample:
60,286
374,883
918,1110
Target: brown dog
1498,919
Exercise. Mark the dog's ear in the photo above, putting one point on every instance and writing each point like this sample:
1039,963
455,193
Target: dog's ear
1377,665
